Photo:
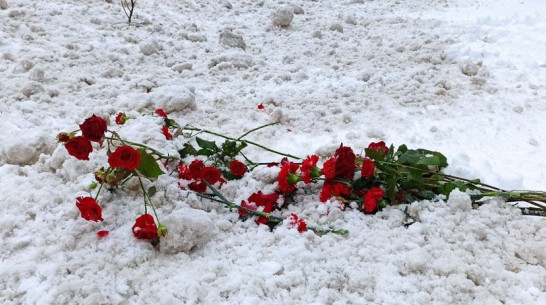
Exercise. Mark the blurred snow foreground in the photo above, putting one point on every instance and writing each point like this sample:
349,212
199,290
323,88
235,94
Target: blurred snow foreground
462,77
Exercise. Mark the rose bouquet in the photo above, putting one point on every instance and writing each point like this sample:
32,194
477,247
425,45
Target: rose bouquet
377,177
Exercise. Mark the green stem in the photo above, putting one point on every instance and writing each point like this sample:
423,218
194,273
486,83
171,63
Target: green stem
154,151
246,141
257,128
263,214
100,187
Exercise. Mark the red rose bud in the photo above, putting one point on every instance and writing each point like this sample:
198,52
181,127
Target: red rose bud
89,209
261,106
368,168
64,137
121,118
94,128
237,168
145,228
124,156
79,147
380,147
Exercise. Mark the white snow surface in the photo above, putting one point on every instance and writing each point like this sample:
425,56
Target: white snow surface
464,77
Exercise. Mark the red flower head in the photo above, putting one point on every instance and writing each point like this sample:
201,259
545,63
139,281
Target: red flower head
330,189
184,172
345,163
94,128
145,228
261,106
196,166
371,198
380,147
309,169
166,133
237,168
121,118
288,178
124,156
161,113
329,168
368,168
79,147
298,223
89,209
211,174
261,199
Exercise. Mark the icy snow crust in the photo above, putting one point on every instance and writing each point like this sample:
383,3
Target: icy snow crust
463,77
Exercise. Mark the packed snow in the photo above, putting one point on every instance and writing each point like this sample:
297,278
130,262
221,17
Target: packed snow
466,78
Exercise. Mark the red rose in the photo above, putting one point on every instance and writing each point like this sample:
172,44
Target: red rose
329,168
196,166
380,147
288,178
145,228
261,106
79,147
161,113
211,174
237,168
368,168
89,209
371,198
166,133
124,156
94,128
345,163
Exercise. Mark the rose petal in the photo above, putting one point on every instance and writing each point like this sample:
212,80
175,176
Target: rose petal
101,234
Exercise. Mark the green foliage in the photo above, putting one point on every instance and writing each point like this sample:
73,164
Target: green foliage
148,165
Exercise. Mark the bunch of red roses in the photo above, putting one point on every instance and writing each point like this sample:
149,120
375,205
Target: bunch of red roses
338,173
381,176
123,162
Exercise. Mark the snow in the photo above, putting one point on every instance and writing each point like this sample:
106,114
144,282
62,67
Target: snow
466,78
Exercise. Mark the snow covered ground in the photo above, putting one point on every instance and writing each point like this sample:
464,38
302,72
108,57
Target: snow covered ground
467,78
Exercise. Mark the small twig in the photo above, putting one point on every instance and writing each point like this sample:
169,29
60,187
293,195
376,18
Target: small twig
128,8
